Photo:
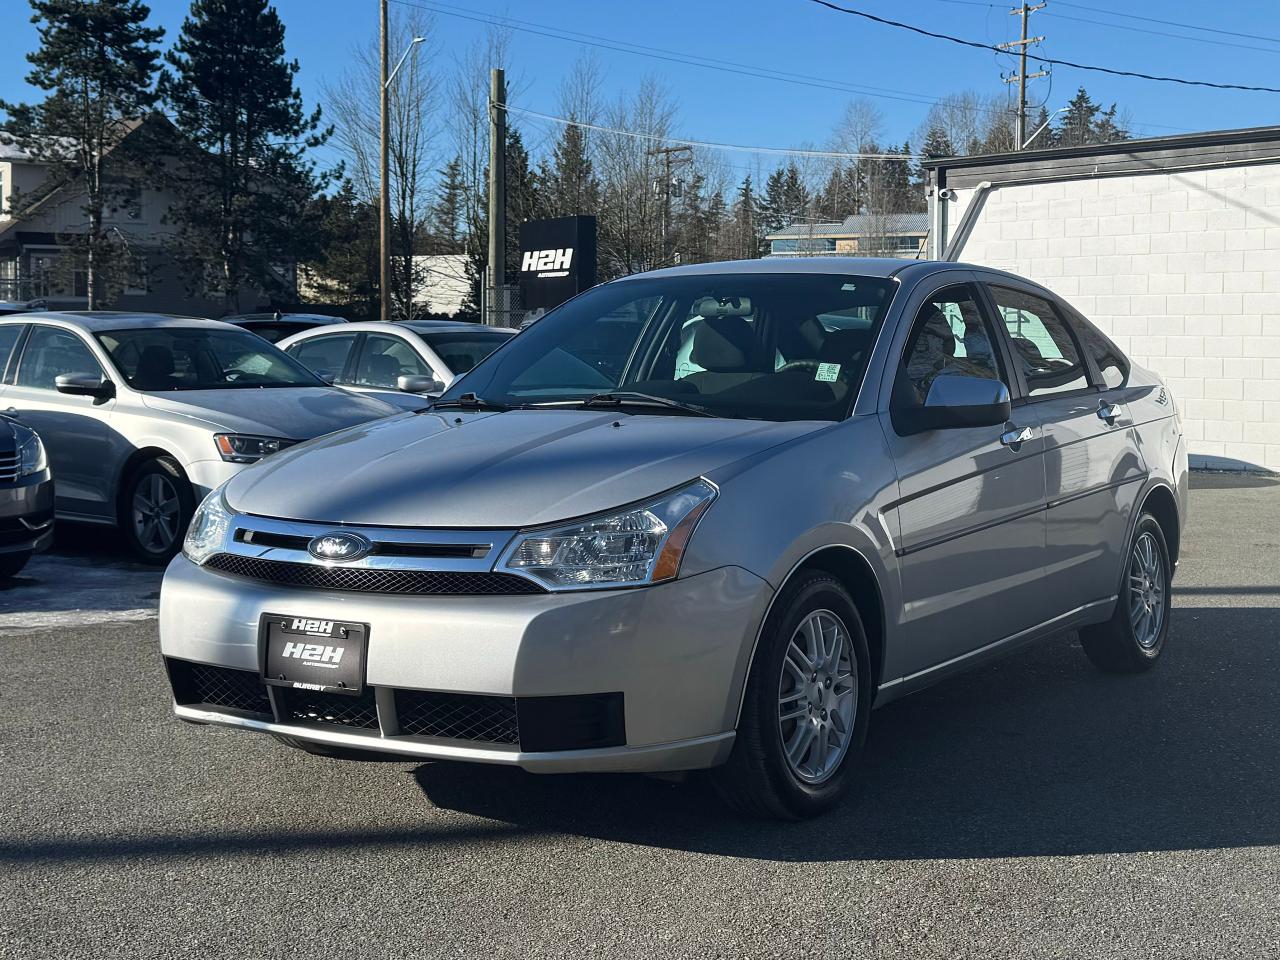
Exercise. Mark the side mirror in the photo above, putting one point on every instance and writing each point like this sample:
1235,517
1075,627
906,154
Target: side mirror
84,385
415,384
956,401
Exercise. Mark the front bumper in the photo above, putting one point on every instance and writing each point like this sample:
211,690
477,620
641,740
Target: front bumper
26,514
677,653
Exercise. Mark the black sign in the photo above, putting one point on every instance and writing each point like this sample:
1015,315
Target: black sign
557,260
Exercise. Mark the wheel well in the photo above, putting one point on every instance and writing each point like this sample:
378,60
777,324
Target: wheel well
849,567
1161,505
135,460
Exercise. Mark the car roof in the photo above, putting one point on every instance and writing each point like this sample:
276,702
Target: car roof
441,326
862,266
419,327
96,321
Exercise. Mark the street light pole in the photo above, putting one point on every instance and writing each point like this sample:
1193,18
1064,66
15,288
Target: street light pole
384,200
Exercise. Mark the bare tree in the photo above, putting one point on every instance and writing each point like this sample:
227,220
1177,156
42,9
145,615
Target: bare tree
415,117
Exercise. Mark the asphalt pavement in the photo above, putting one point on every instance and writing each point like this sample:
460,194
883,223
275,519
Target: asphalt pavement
1034,808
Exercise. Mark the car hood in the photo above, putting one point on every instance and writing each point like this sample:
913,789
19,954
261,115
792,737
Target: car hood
507,470
297,413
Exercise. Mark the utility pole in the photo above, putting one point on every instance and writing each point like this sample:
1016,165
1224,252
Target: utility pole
384,199
671,157
497,192
1021,77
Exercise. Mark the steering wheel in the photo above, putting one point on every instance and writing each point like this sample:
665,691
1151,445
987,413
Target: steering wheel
798,365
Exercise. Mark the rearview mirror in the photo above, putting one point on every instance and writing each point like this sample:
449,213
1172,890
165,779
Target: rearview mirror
416,384
84,385
956,401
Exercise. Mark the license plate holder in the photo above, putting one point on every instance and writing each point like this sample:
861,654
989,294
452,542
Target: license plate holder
311,653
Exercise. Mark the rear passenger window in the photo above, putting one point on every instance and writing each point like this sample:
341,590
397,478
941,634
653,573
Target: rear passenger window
1042,343
1110,361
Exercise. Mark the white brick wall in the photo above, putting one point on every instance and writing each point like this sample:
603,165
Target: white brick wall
1181,270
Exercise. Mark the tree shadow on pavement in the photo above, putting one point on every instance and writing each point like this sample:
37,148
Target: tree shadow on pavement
1037,755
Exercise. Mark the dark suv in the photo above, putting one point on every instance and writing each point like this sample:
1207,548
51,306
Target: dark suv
26,496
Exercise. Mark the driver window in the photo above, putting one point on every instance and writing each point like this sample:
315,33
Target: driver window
1041,343
949,337
51,352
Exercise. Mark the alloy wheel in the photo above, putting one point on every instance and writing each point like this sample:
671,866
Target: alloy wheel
1146,591
156,513
818,697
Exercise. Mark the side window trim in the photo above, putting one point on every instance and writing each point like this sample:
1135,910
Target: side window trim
1093,384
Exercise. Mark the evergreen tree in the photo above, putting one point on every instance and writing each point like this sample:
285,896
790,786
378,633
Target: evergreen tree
570,181
242,183
524,199
447,212
345,267
744,223
95,62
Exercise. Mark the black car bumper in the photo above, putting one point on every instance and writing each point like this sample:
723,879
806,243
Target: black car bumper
26,514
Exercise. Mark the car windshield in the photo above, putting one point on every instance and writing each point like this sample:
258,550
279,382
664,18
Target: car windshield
743,345
461,351
201,358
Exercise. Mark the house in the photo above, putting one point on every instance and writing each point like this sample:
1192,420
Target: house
875,235
1171,245
37,240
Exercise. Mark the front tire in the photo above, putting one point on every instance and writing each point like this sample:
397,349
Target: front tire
155,508
1133,639
806,709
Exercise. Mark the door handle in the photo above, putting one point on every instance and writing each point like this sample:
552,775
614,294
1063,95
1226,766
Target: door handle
1109,412
1011,438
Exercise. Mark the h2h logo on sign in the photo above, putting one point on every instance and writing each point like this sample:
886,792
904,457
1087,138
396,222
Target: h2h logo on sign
547,262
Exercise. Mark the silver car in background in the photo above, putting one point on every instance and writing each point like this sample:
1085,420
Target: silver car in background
142,415
405,363
702,518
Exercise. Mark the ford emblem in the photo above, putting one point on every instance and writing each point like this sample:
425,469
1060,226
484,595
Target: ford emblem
339,547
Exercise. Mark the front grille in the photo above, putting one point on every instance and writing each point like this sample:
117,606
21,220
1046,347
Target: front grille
382,548
8,466
367,580
456,716
199,683
307,706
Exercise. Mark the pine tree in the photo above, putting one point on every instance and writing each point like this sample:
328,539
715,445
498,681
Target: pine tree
95,61
242,182
744,223
447,211
345,267
570,181
1077,125
523,201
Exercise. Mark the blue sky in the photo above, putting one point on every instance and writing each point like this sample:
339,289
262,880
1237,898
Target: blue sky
797,36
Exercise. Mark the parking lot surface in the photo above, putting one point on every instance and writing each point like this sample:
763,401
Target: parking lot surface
1034,808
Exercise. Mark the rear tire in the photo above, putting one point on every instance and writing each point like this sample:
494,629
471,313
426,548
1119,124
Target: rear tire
806,708
1133,639
156,505
11,564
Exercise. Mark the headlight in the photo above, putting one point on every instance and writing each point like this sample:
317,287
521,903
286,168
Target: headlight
31,456
242,448
209,528
636,545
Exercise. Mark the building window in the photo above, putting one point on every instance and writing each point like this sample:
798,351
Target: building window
804,245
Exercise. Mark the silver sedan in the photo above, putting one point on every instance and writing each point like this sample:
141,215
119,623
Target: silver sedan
706,517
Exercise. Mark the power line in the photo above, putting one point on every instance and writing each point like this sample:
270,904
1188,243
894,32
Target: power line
1041,59
1164,33
697,60
1169,23
709,144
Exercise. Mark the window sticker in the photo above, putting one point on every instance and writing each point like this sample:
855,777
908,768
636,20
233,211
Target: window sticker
827,372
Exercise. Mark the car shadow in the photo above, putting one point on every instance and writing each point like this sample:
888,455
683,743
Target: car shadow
1037,755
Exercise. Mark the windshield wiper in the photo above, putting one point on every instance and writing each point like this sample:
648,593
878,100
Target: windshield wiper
631,398
468,401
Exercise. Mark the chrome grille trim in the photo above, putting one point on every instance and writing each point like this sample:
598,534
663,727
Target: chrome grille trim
395,548
9,466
